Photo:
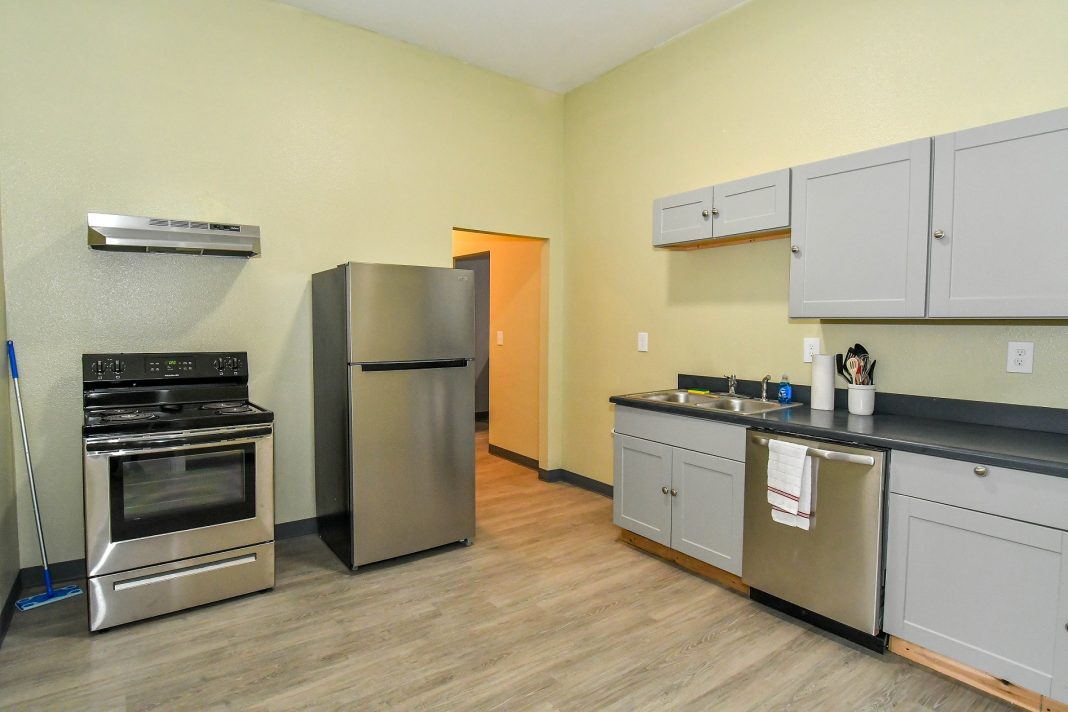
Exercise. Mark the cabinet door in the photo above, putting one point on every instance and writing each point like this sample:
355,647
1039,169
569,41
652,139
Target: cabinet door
1001,204
752,204
641,502
685,217
1059,689
859,238
975,587
706,514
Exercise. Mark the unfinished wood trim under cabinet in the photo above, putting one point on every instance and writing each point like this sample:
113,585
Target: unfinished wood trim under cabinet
734,240
713,573
1014,694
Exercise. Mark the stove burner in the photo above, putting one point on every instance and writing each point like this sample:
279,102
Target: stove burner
237,409
220,405
125,417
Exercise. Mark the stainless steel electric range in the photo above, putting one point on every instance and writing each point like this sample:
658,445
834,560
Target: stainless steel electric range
179,483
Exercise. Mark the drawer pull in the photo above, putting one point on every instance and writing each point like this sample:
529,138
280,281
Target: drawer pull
980,471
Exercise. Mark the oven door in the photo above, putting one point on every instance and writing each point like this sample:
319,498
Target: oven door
155,498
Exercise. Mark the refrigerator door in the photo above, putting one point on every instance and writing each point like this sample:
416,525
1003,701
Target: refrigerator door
405,313
413,457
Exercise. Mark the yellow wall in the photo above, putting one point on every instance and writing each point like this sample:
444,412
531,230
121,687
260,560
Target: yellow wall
9,528
772,84
341,144
515,309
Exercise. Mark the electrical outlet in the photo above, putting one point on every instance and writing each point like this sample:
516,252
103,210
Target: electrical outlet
500,338
1021,357
643,341
811,347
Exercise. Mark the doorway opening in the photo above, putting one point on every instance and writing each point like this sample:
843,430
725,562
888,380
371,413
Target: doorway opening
479,263
511,298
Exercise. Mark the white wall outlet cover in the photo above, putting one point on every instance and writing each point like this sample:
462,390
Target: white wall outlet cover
500,338
1021,357
811,347
643,341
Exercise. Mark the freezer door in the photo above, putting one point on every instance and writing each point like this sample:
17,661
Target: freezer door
405,313
413,459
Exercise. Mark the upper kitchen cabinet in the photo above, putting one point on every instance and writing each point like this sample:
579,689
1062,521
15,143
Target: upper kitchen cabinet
682,218
859,239
1000,220
755,204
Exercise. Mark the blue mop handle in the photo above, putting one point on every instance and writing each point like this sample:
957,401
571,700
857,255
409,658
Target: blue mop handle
11,359
29,465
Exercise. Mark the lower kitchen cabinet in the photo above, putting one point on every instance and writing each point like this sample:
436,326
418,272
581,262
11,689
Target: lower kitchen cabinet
987,590
978,588
642,471
706,512
690,501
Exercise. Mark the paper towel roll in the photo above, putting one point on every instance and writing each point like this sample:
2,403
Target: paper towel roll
822,382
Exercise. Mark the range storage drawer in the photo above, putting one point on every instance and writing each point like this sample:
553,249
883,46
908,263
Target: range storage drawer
154,590
1027,496
697,434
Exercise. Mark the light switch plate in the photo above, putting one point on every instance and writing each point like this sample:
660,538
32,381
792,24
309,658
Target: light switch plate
500,338
643,341
1021,357
811,347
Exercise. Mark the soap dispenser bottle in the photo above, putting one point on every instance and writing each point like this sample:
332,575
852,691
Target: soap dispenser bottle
786,392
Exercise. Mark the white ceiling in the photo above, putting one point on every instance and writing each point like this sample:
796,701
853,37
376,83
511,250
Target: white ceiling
553,44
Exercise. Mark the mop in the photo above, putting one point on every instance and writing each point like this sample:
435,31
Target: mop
50,595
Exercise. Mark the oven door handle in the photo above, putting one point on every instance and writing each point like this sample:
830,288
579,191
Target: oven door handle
115,449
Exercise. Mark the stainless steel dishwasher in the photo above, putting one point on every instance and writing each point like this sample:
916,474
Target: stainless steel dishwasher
830,575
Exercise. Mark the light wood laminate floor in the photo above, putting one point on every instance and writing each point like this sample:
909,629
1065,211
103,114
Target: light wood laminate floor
547,611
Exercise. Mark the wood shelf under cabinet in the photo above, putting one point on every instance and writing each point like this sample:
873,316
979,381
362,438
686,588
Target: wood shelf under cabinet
726,241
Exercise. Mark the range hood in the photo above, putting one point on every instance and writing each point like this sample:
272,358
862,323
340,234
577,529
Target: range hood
127,233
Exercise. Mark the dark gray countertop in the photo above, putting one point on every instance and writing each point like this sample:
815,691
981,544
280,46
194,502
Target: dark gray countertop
1031,450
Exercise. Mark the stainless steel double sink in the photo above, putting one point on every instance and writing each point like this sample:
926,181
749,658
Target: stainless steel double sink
724,402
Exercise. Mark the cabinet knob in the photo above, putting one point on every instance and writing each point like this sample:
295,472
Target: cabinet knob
705,213
795,249
939,234
664,490
980,471
715,211
674,493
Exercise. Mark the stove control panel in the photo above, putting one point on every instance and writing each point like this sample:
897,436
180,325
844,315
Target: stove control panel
199,366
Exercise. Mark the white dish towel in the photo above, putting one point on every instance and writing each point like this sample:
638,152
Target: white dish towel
791,484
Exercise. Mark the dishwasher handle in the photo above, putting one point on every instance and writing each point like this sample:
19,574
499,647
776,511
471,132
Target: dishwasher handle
826,454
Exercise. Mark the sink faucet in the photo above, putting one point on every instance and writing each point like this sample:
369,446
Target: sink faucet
732,383
764,388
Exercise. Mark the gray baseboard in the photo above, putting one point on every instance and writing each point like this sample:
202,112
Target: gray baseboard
8,611
573,478
299,527
62,571
513,456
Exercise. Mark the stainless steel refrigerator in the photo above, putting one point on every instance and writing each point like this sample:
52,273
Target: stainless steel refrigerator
393,350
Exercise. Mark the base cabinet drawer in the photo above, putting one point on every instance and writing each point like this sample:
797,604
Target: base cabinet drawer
982,589
1016,494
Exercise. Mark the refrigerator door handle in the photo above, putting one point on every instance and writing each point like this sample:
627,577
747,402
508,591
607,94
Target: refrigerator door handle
413,365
